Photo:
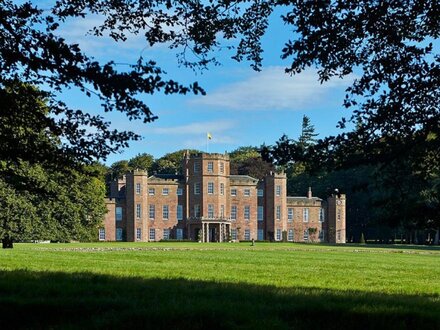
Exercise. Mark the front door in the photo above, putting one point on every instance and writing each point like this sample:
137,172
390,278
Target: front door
212,235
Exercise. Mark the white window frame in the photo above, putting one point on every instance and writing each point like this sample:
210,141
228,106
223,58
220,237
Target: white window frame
196,167
233,192
151,191
210,211
222,188
152,212
246,192
279,235
179,191
306,235
210,167
197,211
101,234
210,188
278,190
247,213
166,234
138,188
305,214
222,167
290,235
247,234
222,211
234,234
278,212
234,209
290,214
138,211
165,212
260,193
165,191
152,234
138,234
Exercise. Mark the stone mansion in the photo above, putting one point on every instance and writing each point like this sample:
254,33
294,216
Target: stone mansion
209,204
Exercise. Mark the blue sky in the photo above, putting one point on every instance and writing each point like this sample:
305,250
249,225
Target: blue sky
242,107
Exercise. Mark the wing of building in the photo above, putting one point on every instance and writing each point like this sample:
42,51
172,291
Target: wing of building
209,204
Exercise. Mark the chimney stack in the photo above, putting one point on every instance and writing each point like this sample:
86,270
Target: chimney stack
309,193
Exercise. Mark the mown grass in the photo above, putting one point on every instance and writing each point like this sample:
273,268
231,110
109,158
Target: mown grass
199,286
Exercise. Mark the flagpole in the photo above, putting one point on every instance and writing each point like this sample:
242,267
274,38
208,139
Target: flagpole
207,144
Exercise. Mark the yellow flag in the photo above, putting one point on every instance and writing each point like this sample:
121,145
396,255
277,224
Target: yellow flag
209,136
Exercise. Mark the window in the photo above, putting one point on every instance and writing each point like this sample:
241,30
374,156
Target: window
196,167
306,235
197,188
119,234
165,191
247,212
260,192
138,188
222,189
222,167
138,234
339,214
339,235
210,211
152,212
233,192
321,215
197,210
165,212
247,235
305,214
321,234
210,167
278,212
278,190
179,212
278,234
222,211
247,192
166,234
151,191
179,192
118,213
260,235
290,235
152,234
260,213
101,234
179,233
210,188
290,214
234,212
138,211
234,234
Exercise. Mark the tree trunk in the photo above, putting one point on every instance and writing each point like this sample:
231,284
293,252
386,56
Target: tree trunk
7,243
436,238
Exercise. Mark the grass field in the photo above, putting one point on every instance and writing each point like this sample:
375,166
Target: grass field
219,285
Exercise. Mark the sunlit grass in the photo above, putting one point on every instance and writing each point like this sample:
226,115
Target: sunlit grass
386,284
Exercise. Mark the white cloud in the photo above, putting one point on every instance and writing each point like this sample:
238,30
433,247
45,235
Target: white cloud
195,128
273,89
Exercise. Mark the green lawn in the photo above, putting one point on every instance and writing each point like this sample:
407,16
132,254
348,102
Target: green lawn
200,286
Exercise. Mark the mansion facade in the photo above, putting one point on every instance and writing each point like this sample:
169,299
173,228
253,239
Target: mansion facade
209,204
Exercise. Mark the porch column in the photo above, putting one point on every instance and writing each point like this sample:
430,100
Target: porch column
221,232
207,232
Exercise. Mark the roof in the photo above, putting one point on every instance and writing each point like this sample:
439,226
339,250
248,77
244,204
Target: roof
303,200
160,177
243,178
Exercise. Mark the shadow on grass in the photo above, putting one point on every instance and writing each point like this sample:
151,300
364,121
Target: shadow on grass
396,246
84,300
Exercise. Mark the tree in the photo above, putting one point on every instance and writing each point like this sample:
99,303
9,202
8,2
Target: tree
142,162
307,137
171,163
248,161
